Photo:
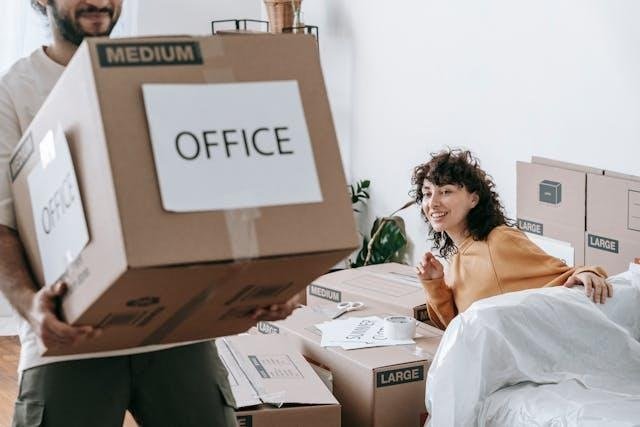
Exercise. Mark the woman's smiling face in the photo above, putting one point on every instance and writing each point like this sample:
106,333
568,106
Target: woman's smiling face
446,207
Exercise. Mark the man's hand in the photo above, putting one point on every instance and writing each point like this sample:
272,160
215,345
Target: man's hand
51,330
595,286
276,311
429,268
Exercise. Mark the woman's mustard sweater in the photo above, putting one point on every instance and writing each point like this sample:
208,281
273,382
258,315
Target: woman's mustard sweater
507,261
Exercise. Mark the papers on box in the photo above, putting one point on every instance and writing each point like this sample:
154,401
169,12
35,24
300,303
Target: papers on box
56,205
267,369
357,332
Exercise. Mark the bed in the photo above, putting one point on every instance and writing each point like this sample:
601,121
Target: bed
543,357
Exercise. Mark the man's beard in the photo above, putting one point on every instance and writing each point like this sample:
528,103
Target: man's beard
71,31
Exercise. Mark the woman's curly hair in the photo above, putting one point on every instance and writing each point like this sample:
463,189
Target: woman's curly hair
38,7
461,168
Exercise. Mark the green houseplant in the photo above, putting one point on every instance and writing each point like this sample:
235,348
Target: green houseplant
387,240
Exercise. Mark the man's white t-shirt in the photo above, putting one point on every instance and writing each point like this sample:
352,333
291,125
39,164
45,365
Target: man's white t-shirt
23,90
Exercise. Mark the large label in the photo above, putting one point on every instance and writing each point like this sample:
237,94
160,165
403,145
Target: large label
531,227
603,243
230,146
148,54
325,293
61,227
245,420
399,376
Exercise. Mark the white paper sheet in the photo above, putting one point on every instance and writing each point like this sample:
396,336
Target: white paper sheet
356,332
231,145
61,227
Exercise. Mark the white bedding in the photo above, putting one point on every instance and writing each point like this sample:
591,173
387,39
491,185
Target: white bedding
540,357
564,404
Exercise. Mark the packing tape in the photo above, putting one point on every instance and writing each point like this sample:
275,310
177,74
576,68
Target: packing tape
243,236
211,48
216,67
400,327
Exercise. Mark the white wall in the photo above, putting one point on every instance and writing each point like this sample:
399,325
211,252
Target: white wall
506,79
190,16
22,30
336,53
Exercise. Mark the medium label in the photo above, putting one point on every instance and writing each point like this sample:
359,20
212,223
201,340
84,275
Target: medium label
602,243
325,293
531,227
149,54
399,376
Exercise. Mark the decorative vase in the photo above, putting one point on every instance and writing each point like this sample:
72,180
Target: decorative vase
281,13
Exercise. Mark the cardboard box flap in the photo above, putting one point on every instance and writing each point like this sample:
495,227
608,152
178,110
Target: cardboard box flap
123,66
620,175
565,165
267,369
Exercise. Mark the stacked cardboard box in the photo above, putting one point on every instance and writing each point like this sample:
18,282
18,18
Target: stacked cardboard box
391,287
596,212
382,386
551,202
273,386
204,177
613,221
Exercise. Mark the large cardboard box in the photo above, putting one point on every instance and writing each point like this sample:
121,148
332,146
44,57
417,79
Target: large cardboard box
613,221
383,386
209,177
551,202
391,287
273,385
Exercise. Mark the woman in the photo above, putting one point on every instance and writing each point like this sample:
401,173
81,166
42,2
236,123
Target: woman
487,255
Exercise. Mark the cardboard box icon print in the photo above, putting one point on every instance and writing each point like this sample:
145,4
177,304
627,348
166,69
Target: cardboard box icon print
550,192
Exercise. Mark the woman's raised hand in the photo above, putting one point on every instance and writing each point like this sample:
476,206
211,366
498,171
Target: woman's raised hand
429,268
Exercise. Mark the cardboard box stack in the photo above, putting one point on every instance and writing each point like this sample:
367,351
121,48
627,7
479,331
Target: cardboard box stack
188,179
551,202
391,287
613,221
382,386
273,385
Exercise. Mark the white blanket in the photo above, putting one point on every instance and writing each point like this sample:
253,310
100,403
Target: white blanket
566,404
542,336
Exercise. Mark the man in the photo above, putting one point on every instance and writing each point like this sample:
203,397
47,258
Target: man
177,385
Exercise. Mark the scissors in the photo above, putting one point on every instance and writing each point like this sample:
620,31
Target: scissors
346,306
